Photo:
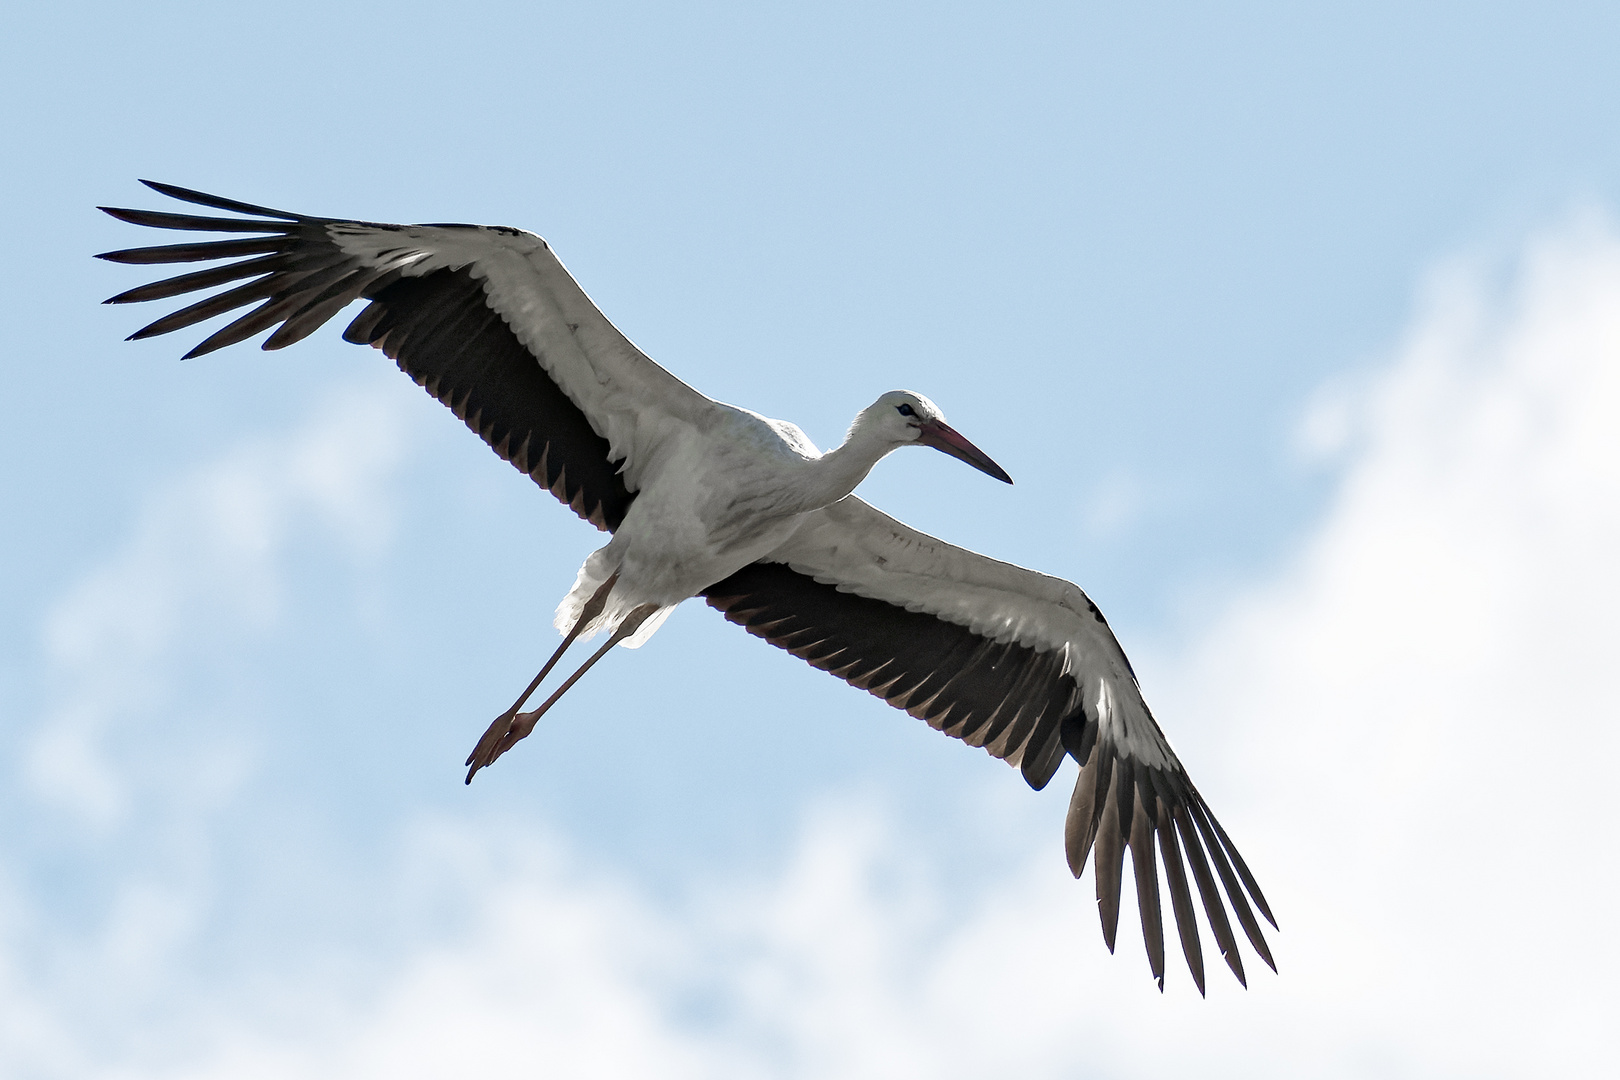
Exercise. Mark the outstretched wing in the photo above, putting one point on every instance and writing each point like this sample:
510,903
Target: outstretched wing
1024,665
486,319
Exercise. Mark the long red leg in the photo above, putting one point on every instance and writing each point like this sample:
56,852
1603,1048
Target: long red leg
522,724
482,753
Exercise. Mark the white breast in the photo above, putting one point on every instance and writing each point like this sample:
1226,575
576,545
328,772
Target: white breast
711,503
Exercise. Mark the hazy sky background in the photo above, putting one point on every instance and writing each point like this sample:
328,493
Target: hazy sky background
1297,325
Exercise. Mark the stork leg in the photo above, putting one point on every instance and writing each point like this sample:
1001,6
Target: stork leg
503,723
521,724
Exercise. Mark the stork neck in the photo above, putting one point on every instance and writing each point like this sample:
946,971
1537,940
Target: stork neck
839,471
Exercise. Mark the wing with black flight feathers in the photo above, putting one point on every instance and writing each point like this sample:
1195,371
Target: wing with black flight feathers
1024,665
436,322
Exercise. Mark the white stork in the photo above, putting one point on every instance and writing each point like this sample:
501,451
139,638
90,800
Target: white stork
706,499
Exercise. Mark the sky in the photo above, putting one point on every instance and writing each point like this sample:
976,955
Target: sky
1297,326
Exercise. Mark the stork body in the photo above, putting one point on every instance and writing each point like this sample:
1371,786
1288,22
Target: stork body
714,500
706,499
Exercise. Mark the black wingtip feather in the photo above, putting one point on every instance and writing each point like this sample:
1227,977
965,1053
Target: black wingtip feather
1147,886
1234,891
158,219
1214,910
1109,861
201,279
1242,869
201,198
203,252
1175,874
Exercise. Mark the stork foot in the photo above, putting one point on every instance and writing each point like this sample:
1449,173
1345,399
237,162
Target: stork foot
498,738
511,725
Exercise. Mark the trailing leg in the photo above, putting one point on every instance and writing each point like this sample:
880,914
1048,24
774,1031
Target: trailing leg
521,724
485,752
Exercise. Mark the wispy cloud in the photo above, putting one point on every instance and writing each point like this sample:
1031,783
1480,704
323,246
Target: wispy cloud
1115,506
207,554
128,773
1409,727
1426,697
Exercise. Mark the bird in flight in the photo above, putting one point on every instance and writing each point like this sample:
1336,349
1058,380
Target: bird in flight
707,499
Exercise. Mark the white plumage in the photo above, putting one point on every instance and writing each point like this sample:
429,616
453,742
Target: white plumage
707,499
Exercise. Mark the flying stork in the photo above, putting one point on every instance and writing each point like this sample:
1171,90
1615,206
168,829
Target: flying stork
706,499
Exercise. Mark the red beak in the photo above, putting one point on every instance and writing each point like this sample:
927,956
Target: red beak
946,439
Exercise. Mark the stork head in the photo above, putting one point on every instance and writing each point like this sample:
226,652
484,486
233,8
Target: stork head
901,417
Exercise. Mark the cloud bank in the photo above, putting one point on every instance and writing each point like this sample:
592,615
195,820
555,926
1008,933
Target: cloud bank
1409,729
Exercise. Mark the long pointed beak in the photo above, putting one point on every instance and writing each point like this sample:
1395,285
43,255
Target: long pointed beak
946,439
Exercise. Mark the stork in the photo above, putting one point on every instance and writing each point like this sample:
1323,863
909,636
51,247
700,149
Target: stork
707,499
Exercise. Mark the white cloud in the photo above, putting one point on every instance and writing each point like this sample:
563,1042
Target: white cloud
208,552
1429,692
1409,730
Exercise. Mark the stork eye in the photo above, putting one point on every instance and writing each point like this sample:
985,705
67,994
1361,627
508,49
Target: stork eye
906,410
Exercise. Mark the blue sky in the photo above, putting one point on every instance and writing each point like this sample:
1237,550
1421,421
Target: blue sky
1289,323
